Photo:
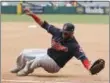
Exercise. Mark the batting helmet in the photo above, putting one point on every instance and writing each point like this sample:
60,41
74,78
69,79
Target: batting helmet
68,27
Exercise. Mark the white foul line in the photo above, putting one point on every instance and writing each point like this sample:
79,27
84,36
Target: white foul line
20,81
30,81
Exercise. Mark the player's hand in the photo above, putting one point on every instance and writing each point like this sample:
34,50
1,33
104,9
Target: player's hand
28,11
34,16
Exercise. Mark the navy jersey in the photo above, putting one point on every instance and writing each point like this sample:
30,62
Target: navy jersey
61,57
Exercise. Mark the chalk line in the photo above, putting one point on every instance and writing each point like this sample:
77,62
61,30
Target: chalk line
20,81
30,81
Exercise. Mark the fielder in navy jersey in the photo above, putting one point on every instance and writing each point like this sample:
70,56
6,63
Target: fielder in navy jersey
64,46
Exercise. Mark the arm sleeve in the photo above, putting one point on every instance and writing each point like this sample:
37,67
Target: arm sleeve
76,50
80,55
50,28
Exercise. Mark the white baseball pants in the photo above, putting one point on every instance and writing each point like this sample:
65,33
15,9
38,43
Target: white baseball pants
39,58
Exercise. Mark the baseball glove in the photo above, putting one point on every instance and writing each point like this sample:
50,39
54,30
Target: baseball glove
97,66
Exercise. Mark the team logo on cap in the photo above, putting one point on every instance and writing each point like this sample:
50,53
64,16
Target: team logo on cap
65,27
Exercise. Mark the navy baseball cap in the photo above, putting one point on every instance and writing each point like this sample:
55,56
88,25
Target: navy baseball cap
68,27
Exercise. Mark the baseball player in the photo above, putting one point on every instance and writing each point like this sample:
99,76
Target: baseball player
64,46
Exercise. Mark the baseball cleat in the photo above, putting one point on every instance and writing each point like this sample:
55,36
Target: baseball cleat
15,70
24,73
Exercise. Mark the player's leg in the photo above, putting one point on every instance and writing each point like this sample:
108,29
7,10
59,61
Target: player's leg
20,63
42,60
25,55
45,62
26,70
49,65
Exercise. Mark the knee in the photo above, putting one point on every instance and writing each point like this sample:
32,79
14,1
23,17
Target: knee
23,53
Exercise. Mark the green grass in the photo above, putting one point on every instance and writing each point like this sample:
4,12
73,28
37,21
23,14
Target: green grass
59,18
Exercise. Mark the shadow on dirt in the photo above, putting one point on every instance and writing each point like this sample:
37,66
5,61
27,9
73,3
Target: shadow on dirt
59,76
51,76
94,78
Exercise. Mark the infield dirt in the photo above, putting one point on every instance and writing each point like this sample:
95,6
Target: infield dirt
16,36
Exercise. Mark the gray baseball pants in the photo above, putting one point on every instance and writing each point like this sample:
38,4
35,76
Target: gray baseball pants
38,58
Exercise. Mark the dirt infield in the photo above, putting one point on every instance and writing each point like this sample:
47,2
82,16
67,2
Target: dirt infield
17,36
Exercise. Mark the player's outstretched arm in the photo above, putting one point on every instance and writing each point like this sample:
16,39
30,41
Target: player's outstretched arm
80,55
96,67
50,28
35,17
85,62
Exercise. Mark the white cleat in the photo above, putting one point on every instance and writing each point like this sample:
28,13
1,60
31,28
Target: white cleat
15,70
24,73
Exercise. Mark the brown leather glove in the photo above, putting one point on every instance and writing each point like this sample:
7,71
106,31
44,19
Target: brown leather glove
97,66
